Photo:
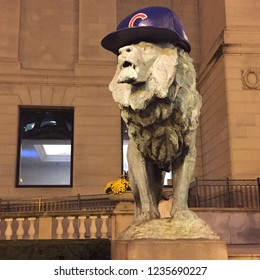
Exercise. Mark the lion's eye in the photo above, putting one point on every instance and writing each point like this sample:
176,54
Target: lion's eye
124,50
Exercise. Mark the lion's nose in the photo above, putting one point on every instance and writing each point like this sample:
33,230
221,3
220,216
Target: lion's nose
125,50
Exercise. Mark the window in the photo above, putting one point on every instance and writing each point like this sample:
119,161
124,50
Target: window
45,147
125,142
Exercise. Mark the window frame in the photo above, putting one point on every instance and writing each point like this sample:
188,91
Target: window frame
19,142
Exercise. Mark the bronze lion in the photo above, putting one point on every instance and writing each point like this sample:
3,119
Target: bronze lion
155,88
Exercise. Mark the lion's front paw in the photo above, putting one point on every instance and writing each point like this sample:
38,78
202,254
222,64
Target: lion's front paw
146,216
183,215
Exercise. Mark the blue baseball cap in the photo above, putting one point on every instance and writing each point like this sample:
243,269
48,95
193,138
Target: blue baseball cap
152,24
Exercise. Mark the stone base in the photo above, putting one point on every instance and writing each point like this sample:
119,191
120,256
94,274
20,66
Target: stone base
185,225
158,249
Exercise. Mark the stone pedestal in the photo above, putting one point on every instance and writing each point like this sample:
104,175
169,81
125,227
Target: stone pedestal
163,249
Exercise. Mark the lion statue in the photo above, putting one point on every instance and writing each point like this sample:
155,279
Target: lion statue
155,88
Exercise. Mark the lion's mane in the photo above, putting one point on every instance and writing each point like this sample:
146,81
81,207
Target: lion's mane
161,130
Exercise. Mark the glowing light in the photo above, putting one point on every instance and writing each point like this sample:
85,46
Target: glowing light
57,150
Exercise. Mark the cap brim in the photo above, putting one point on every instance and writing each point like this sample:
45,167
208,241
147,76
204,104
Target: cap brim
120,38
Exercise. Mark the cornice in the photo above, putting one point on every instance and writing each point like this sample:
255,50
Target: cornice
88,73
225,49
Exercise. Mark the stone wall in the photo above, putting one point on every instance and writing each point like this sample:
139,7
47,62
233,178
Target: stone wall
212,86
229,82
50,55
242,58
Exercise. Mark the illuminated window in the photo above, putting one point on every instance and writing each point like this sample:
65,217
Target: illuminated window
125,142
45,149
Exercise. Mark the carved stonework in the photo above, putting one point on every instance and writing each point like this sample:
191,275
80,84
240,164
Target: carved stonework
251,78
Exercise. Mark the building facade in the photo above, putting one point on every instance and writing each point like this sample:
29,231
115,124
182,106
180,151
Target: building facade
51,59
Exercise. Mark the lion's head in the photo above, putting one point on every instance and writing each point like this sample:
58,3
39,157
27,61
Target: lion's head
155,87
144,71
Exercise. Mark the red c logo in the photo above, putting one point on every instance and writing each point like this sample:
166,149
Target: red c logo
135,17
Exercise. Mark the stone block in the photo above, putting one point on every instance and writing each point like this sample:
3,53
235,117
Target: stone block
158,249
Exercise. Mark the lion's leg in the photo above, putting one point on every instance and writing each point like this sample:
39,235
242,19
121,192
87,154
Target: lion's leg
181,180
134,189
146,188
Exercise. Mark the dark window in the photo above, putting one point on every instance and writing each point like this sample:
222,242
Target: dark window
45,147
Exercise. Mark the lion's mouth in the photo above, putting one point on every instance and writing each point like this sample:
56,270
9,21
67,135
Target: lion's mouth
128,73
128,64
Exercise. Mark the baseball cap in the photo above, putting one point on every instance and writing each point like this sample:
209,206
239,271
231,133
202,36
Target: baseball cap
152,24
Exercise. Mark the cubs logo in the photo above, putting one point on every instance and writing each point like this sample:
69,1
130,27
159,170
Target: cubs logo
141,16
